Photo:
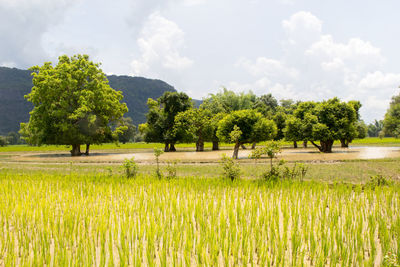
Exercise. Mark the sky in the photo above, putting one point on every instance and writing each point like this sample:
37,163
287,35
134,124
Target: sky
297,49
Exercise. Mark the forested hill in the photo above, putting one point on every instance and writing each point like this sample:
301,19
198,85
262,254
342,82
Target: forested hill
15,83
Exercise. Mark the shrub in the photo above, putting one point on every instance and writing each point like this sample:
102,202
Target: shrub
131,168
377,180
171,169
230,167
157,154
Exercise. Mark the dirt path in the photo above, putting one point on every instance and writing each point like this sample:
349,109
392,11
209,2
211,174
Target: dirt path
300,154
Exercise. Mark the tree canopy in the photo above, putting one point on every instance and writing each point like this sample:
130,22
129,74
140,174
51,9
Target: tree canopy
73,105
160,125
392,118
194,125
325,122
245,126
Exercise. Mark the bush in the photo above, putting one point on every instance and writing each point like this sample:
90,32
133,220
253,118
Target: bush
377,181
131,168
171,169
230,167
282,172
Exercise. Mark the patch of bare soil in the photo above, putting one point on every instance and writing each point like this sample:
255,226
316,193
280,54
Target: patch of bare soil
300,154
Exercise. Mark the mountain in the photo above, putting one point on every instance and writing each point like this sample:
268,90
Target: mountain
15,83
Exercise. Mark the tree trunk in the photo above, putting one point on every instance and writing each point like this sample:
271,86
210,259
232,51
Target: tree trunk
344,143
295,144
166,147
87,149
243,146
305,144
253,146
215,145
325,147
172,147
76,150
199,145
236,151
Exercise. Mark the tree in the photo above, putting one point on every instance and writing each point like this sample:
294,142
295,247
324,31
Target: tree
392,118
3,141
362,129
214,122
375,128
73,105
129,132
266,105
227,101
161,118
245,126
13,138
325,122
194,125
348,122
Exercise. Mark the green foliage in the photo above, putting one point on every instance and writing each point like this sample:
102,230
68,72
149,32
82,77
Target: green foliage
362,129
235,135
231,168
266,105
160,125
171,169
254,127
194,125
73,104
325,122
392,118
377,181
282,172
3,141
297,172
375,128
227,101
131,168
15,83
127,134
157,153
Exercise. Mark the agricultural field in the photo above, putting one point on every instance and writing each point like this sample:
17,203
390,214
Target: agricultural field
85,213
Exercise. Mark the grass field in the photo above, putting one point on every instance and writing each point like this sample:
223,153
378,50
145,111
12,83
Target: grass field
89,213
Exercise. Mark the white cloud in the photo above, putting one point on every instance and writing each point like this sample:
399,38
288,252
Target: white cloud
159,43
22,25
302,27
314,67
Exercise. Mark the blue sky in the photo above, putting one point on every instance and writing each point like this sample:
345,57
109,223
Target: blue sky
304,50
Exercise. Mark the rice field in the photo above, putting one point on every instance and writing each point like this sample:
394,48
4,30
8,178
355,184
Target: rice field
92,219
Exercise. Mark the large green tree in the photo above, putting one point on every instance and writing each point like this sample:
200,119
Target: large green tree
325,122
392,118
194,125
73,105
128,134
160,125
245,126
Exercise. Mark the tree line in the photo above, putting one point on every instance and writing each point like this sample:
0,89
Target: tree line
244,118
75,105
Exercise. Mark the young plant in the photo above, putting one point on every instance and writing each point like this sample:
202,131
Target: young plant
130,167
157,154
230,167
171,169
